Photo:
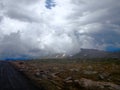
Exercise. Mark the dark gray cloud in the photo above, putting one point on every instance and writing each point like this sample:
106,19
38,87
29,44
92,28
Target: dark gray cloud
98,20
22,16
65,28
12,46
19,9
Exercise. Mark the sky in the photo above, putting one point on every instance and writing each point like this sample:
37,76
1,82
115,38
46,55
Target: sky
37,28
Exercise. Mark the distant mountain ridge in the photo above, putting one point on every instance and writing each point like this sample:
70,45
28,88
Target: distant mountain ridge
58,55
85,53
94,53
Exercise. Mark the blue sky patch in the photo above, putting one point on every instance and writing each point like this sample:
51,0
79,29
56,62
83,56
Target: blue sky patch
112,49
50,4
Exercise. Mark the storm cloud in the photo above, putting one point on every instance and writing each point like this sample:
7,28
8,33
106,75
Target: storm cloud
36,28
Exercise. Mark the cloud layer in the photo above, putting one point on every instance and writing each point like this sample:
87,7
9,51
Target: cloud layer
36,28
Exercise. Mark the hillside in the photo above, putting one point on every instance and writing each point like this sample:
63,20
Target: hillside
94,53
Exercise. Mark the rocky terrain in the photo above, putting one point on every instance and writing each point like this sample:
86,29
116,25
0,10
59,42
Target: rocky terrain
73,75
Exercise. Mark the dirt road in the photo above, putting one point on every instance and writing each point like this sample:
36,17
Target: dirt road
11,79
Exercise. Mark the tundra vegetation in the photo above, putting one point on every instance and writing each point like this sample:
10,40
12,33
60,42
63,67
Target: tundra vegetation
73,74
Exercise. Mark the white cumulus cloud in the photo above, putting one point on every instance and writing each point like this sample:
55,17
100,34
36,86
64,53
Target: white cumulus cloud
30,29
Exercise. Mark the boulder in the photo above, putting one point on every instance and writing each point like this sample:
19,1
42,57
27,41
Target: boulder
90,84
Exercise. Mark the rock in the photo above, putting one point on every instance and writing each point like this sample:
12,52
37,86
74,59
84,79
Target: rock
74,70
55,68
54,75
23,68
68,78
37,74
90,84
69,82
103,76
41,74
89,72
89,67
44,76
76,81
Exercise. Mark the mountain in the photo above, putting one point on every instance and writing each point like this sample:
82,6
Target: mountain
85,53
58,55
94,53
